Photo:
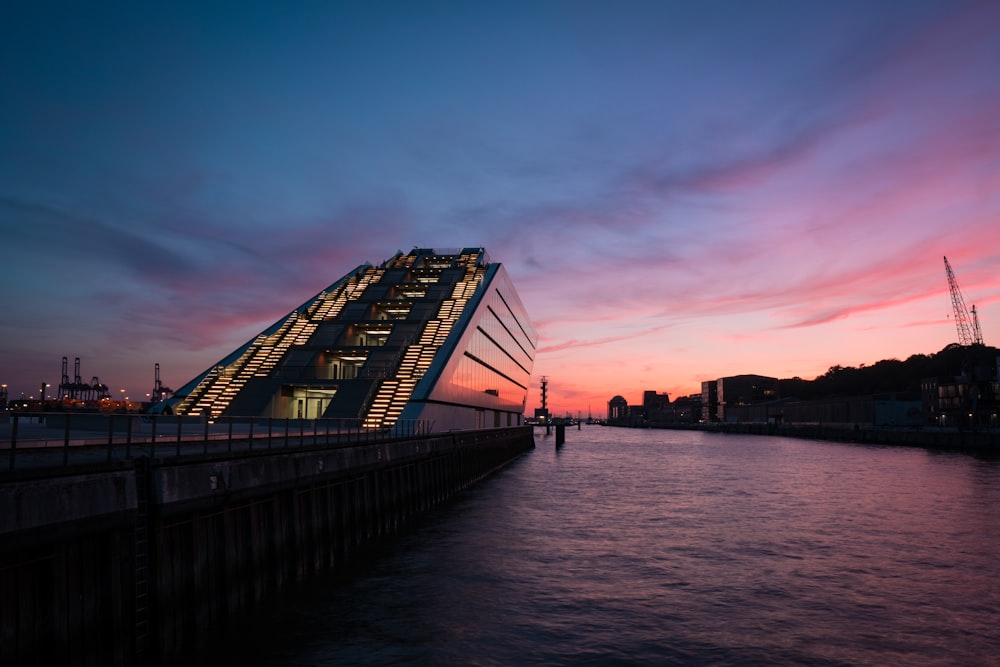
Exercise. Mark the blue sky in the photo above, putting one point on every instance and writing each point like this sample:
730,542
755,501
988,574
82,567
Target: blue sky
679,190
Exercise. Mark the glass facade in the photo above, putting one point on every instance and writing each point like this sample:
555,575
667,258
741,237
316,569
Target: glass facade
491,365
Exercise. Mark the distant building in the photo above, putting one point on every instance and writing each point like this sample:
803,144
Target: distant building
684,410
617,410
742,390
942,399
655,406
968,400
709,400
636,415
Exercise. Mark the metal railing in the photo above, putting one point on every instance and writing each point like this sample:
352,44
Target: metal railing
61,439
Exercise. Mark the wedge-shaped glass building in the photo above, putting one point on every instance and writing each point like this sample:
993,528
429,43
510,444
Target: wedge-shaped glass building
432,335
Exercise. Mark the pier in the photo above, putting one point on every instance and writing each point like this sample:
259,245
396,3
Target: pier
145,539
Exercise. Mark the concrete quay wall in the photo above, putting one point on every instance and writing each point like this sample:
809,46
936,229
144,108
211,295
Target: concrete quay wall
34,506
132,564
178,485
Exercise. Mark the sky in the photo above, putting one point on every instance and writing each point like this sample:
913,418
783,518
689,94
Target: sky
680,191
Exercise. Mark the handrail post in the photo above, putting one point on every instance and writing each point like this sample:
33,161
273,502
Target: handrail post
270,425
152,430
111,433
13,441
152,441
178,435
230,445
205,441
128,437
286,432
66,440
250,435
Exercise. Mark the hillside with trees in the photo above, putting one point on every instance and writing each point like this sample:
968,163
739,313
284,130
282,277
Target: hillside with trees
890,375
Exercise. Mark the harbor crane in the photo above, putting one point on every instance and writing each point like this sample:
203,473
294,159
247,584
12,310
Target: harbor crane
159,392
966,321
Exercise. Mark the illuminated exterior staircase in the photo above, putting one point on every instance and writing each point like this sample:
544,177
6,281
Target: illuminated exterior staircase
218,388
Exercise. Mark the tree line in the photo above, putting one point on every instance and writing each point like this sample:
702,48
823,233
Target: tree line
891,375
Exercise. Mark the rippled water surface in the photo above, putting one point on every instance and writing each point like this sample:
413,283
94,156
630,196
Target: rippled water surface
647,547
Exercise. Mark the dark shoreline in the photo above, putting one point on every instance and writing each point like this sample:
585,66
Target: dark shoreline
970,441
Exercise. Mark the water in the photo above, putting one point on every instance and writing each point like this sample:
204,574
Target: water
646,547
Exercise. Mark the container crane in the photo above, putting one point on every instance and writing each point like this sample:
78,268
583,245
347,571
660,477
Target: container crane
966,321
159,392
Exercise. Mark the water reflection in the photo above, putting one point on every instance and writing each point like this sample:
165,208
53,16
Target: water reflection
661,547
